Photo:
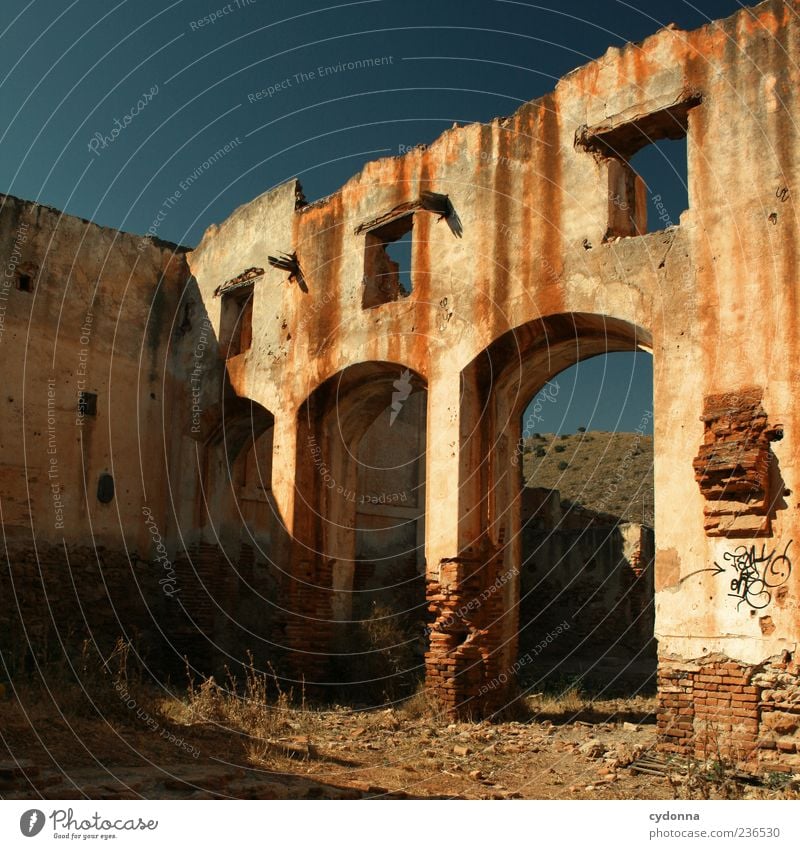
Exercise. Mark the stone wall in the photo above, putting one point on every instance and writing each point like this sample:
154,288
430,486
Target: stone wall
87,385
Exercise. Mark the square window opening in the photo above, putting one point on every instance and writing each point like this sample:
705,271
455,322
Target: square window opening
236,322
663,170
648,169
87,403
388,262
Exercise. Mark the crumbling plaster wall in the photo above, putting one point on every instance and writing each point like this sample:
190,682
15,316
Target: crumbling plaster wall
715,292
96,320
713,297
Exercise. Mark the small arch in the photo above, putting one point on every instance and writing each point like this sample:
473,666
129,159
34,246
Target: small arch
232,423
226,569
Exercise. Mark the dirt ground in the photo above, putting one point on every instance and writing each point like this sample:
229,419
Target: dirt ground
168,751
108,738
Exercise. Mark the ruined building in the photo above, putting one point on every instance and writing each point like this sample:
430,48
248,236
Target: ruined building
231,447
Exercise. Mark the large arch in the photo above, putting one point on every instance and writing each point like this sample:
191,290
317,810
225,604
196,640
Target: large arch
336,422
472,661
586,595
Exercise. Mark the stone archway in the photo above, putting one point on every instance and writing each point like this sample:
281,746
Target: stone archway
238,465
226,571
586,596
346,446
473,655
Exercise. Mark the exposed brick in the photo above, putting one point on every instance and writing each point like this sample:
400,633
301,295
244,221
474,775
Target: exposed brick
730,718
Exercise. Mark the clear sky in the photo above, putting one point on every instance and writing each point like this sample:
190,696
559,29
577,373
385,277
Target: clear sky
73,72
609,392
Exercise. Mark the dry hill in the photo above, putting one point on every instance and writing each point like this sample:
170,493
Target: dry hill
606,472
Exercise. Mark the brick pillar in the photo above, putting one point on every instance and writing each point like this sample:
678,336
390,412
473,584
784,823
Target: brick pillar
675,715
466,663
465,670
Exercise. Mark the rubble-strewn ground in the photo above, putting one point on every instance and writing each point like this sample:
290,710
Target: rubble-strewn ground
331,753
213,744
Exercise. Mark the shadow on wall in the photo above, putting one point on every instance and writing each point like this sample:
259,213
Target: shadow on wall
586,599
226,536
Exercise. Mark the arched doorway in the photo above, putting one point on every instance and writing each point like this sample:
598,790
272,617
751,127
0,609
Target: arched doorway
587,531
226,575
357,586
475,660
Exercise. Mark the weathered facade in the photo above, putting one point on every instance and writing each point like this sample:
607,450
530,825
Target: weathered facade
238,384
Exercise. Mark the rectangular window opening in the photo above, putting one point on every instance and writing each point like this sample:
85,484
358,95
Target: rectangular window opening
236,321
87,403
663,170
25,283
387,263
648,169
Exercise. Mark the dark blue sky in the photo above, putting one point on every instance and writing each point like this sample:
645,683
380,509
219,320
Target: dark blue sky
71,70
609,392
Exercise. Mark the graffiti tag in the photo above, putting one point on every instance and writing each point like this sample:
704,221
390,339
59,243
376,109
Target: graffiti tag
756,574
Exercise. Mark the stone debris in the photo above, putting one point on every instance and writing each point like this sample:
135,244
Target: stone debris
592,749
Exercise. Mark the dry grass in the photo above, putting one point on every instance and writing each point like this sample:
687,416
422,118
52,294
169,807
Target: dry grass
102,721
265,718
422,706
268,742
717,778
568,702
379,662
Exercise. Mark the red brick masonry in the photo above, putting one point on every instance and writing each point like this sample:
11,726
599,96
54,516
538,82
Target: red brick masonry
719,708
